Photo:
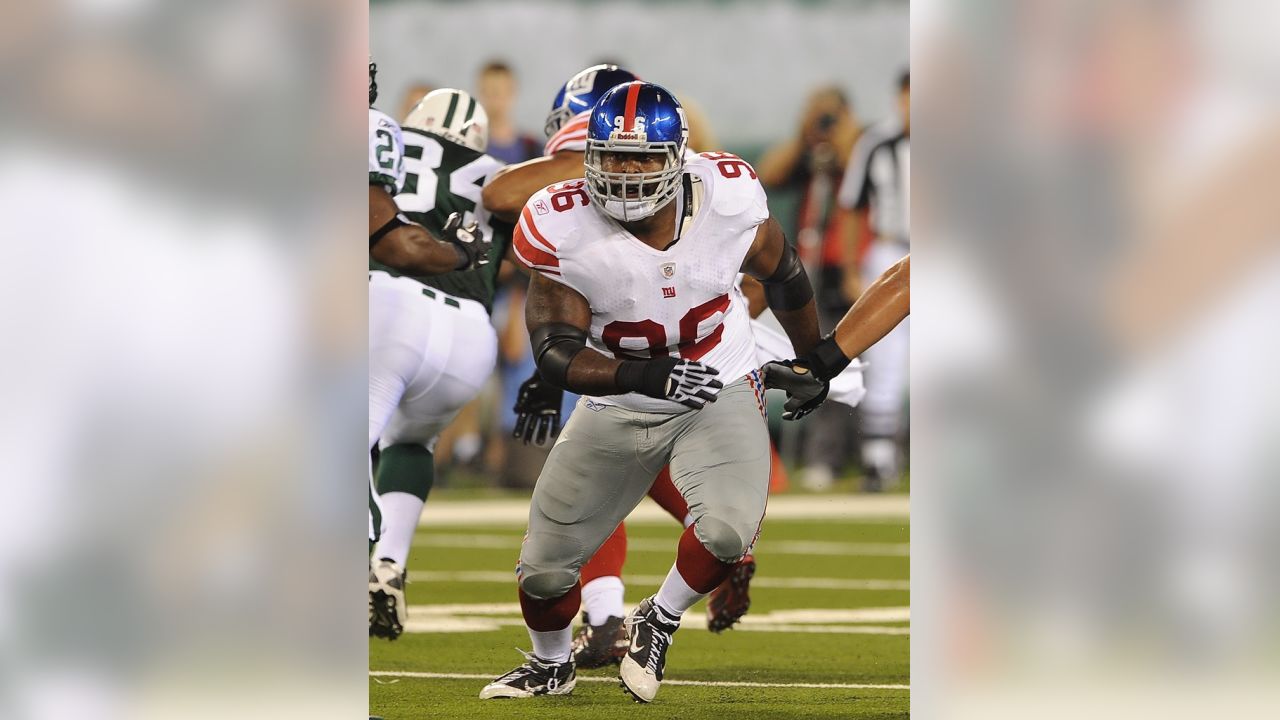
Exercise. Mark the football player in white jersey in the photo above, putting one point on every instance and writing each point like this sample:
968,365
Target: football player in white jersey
634,305
601,639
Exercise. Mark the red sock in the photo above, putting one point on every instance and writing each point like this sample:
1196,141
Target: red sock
664,492
700,569
608,560
553,614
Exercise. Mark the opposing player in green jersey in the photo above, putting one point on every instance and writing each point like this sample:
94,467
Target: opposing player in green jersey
395,240
431,344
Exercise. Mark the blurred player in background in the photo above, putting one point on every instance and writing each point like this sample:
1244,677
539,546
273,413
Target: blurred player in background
641,260
431,345
877,191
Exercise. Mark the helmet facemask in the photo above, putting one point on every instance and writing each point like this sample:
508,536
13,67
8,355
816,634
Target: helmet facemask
633,196
556,119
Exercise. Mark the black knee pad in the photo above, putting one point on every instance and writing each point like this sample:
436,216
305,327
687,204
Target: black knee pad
547,585
720,539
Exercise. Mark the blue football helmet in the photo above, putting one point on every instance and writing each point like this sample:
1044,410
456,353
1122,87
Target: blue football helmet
581,93
635,117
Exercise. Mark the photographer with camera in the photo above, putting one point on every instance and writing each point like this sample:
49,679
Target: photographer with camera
810,165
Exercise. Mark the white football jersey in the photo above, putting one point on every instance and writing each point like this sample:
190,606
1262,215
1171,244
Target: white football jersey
647,303
386,152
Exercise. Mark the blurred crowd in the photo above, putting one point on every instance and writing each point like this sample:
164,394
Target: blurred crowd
839,186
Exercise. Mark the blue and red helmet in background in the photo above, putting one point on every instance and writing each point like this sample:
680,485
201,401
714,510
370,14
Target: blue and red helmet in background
582,91
635,117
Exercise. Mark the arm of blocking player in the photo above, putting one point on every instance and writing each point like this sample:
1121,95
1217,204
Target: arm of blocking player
408,247
558,318
506,193
878,310
773,262
884,304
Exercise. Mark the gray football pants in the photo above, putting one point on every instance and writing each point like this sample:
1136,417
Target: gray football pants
606,459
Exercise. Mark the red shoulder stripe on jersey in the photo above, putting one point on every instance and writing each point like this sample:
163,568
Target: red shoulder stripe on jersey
633,95
575,129
527,219
530,254
558,144
544,269
536,268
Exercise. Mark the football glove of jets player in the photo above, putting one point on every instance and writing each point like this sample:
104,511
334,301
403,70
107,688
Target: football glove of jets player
472,245
537,411
805,392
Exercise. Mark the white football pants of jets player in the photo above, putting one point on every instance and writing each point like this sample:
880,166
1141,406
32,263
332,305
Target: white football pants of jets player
429,354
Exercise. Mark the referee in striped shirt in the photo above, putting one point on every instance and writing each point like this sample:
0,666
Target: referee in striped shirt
876,192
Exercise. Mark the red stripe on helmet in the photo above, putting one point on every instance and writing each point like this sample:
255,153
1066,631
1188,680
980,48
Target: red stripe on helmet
633,95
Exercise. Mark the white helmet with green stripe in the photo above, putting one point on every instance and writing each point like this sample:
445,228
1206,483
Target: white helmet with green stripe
453,115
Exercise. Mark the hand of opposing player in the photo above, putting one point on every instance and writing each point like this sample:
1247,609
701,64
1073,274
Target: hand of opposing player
472,244
805,392
537,411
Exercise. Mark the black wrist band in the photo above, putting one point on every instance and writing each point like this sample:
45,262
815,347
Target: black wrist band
826,360
647,377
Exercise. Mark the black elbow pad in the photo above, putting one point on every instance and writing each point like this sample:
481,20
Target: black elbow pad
788,287
554,347
394,223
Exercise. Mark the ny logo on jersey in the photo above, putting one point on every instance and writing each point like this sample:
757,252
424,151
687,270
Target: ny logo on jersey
668,270
668,292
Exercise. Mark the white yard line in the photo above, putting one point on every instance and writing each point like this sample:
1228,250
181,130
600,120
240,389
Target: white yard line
867,508
804,583
764,548
490,617
689,683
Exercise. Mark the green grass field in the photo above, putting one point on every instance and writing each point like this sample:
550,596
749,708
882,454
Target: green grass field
829,607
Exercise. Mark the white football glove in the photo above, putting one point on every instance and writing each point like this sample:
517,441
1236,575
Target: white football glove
693,384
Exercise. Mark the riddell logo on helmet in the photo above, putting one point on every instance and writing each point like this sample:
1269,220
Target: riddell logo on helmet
628,136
